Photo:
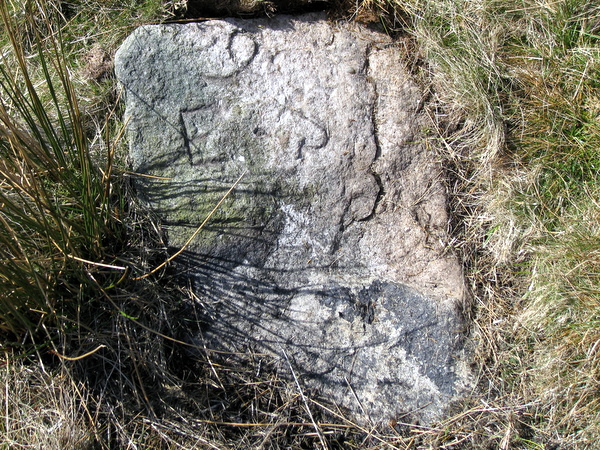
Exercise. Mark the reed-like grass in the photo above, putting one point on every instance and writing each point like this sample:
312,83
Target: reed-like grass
59,221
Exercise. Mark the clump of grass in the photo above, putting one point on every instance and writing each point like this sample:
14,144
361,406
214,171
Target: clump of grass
555,139
58,216
40,409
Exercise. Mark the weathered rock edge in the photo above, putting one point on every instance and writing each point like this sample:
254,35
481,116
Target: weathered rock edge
332,252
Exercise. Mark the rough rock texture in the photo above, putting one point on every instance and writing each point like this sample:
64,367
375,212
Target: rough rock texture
332,251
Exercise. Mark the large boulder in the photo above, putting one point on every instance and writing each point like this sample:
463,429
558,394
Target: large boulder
332,252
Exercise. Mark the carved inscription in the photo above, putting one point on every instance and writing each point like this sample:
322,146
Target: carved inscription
208,131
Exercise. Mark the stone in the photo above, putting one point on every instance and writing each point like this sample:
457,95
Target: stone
332,253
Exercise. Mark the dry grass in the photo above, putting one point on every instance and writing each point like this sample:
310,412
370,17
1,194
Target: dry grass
41,409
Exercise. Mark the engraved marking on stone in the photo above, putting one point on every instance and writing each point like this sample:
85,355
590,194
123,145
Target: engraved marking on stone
201,138
298,133
241,48
222,58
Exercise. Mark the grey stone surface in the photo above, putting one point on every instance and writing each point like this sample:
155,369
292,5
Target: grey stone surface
333,248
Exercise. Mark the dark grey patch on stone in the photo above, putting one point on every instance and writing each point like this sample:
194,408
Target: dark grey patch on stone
332,250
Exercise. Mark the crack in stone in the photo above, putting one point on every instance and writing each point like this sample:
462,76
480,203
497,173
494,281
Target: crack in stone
374,112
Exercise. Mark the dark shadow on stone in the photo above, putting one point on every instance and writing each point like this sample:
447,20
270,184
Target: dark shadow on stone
243,313
246,9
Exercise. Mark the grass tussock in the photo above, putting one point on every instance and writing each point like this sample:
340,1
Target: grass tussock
40,409
57,214
515,98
